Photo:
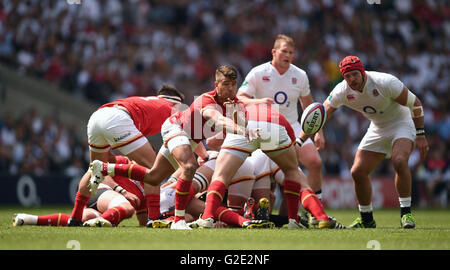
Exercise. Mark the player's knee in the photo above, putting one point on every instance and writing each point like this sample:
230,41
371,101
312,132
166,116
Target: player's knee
399,162
358,173
314,164
189,169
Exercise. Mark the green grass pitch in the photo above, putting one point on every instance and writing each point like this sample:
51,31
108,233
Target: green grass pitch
432,233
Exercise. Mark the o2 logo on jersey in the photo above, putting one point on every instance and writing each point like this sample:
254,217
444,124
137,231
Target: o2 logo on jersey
280,97
369,110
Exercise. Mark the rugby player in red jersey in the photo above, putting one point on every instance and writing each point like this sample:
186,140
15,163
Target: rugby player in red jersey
183,132
124,125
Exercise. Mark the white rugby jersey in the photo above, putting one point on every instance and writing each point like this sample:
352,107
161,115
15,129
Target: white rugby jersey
376,101
264,81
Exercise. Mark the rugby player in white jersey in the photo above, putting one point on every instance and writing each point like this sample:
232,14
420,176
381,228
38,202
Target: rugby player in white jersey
396,125
284,84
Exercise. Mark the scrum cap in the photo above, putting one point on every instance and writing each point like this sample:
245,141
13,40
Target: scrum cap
350,63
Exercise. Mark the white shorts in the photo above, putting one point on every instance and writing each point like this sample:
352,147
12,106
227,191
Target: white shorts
263,169
380,140
274,140
173,136
242,183
266,170
116,201
114,128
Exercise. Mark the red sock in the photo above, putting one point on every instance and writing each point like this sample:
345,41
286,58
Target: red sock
292,196
240,211
80,203
216,192
115,215
191,193
152,203
58,219
229,216
133,171
181,198
311,203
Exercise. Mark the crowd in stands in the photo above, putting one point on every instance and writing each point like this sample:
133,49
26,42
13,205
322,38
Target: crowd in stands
102,50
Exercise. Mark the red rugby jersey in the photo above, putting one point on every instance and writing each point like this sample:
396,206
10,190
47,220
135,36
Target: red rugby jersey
264,112
148,113
191,119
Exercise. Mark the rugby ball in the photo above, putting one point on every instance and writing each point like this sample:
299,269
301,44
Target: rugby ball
313,118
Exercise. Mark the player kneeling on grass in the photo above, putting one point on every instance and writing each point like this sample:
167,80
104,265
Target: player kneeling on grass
269,131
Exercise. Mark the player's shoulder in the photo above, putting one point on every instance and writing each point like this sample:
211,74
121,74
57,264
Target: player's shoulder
297,70
381,78
207,97
340,87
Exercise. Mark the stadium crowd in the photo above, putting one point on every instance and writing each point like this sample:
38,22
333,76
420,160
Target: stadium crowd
107,49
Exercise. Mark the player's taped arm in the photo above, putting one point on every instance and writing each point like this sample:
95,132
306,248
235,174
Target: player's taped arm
414,106
408,99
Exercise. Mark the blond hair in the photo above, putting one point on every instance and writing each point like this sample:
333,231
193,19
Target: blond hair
285,38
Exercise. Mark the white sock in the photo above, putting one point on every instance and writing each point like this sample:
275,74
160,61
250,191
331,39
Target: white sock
365,208
110,169
405,202
29,219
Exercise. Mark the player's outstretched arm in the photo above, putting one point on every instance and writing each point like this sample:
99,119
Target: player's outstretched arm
247,100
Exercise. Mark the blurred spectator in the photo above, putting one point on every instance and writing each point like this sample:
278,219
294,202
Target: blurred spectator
38,146
434,176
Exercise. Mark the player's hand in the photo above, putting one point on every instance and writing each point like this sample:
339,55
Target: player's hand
319,140
229,101
252,134
422,145
133,199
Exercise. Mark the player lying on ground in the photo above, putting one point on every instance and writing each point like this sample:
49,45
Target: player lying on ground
111,204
